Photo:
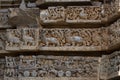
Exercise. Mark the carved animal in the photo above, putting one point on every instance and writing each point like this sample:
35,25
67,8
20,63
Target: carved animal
83,15
52,40
13,39
28,39
74,39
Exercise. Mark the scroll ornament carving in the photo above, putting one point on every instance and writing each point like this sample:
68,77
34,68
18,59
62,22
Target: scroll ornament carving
53,14
10,67
23,19
111,7
31,39
51,66
70,14
3,18
83,13
70,37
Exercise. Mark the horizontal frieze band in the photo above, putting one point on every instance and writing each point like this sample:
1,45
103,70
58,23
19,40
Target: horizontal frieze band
55,39
110,65
43,66
59,39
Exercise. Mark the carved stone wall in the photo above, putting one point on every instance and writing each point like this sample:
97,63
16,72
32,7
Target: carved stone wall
3,38
41,66
31,33
111,7
56,38
114,32
110,65
71,14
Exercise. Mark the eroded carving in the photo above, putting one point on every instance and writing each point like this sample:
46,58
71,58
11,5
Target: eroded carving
76,13
13,39
111,7
29,38
114,32
23,19
70,37
3,38
51,66
53,14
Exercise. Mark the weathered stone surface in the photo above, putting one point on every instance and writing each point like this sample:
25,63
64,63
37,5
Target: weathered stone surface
110,65
83,39
42,66
4,18
70,39
28,18
29,39
71,14
3,38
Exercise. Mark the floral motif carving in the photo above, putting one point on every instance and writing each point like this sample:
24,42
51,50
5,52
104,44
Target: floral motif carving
53,14
76,13
70,37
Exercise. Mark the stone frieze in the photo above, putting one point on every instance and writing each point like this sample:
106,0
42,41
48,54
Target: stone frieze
71,14
41,66
110,66
54,39
4,19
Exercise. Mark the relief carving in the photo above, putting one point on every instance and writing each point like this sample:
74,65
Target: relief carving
114,31
53,14
3,38
10,67
33,39
4,19
13,39
76,14
111,7
73,37
110,65
70,37
29,38
70,14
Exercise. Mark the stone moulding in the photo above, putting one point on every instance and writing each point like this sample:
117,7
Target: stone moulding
71,14
43,66
58,39
4,19
78,15
110,65
55,39
63,78
39,2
